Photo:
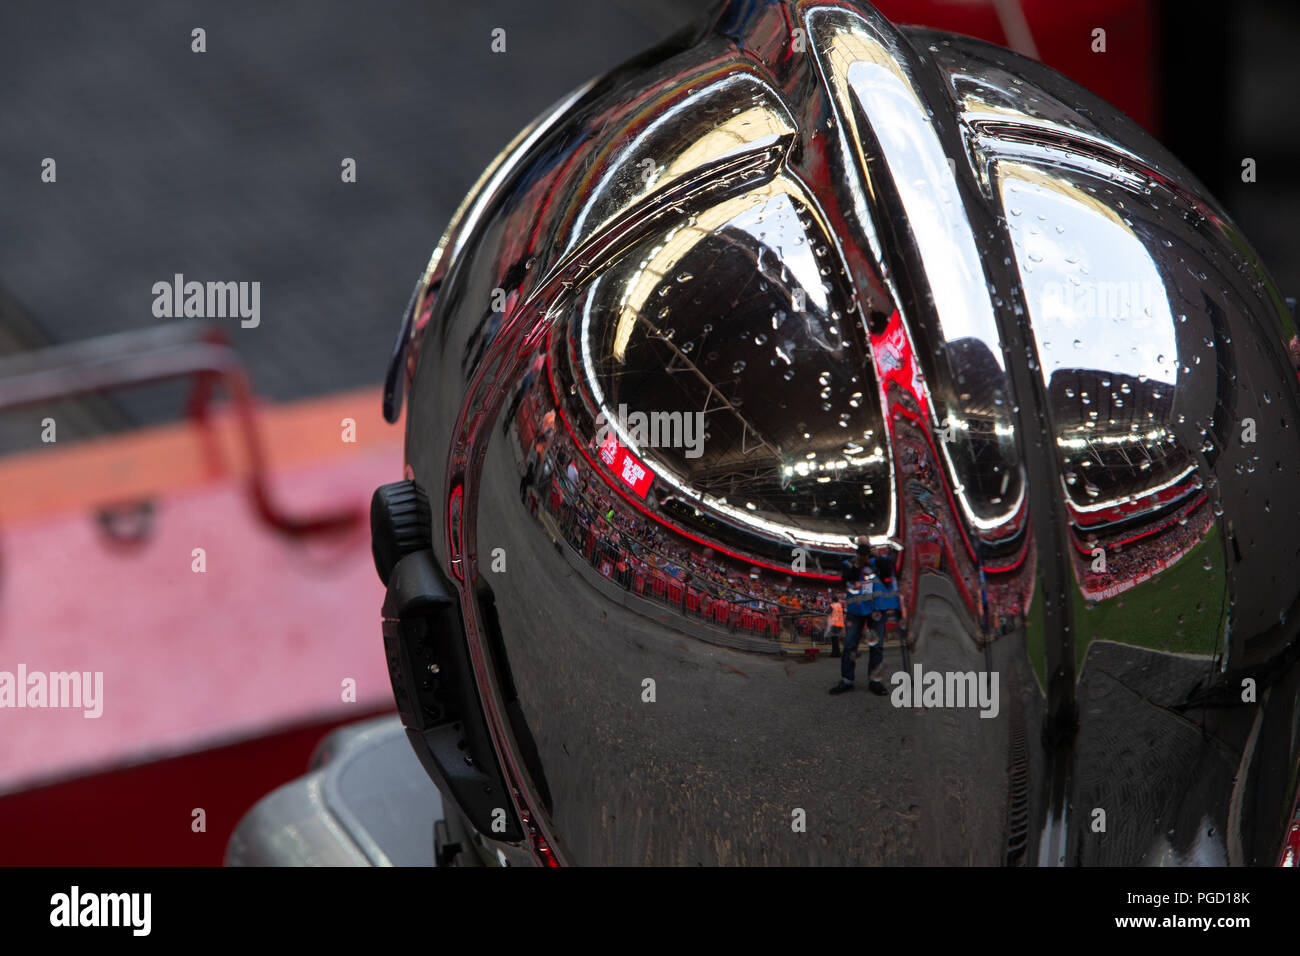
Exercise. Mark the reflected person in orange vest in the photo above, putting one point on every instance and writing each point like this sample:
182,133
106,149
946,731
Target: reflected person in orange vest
835,626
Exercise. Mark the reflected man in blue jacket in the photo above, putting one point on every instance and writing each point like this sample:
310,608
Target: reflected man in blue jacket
871,599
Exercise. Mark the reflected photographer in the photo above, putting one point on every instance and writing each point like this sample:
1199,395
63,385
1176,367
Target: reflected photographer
871,600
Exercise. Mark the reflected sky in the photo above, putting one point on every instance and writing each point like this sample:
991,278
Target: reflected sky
1064,239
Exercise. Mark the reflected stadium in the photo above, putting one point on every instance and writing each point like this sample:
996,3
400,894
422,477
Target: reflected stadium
795,278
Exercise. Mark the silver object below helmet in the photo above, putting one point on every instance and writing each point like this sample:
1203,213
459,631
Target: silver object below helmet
799,276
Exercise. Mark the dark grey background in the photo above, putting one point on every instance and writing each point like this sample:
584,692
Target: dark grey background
226,165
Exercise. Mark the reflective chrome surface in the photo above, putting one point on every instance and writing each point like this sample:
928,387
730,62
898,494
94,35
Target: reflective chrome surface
909,286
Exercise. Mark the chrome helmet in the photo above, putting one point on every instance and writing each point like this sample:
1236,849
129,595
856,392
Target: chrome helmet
795,277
